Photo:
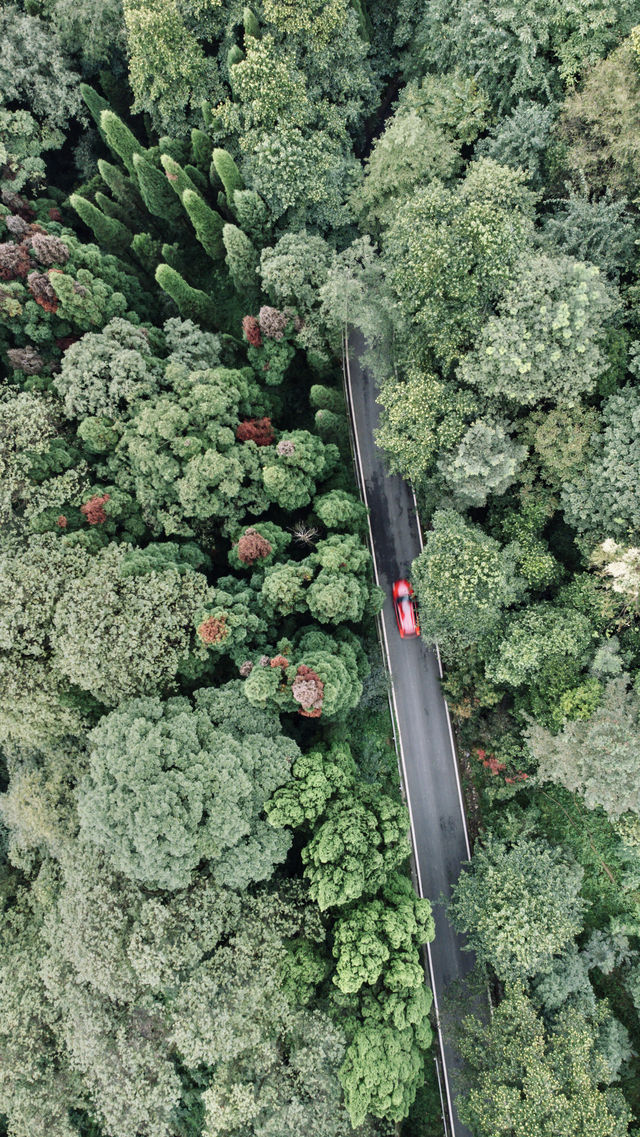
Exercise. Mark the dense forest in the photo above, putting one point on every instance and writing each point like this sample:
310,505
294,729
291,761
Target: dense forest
209,926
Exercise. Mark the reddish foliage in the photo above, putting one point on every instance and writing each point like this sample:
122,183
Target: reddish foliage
251,329
172,177
258,430
42,291
308,690
15,262
49,250
245,668
17,204
25,359
273,323
55,214
93,509
252,547
62,521
279,661
490,762
213,630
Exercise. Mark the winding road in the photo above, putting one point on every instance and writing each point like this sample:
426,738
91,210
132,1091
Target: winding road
423,730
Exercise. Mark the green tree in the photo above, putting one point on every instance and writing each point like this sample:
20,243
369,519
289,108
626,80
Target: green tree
341,510
600,124
166,790
518,905
597,757
526,140
596,229
486,462
535,642
291,472
381,1073
529,49
601,498
377,936
118,634
523,1078
545,344
422,416
450,254
463,581
104,372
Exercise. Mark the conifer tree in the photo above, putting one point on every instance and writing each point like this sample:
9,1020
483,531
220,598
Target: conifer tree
201,149
251,25
155,190
242,259
207,223
95,103
228,173
120,139
177,178
110,233
191,302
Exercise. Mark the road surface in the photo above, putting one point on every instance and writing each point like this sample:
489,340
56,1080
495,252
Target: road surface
424,737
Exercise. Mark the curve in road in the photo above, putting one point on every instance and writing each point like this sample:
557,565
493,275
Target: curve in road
423,729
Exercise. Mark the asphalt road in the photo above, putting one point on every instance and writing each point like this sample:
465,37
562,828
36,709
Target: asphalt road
425,742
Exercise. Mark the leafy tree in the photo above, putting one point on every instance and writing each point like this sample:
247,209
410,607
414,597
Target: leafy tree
535,641
382,1071
560,438
376,936
600,124
602,497
316,777
523,1078
513,50
524,139
104,372
545,344
169,72
116,634
595,229
596,758
450,253
411,152
355,847
291,472
422,416
179,452
463,580
36,73
487,461
167,790
519,905
293,270
341,510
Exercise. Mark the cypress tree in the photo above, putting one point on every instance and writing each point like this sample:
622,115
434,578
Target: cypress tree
123,188
120,139
242,260
235,55
197,177
111,208
251,25
147,252
228,173
251,213
95,104
191,302
207,223
176,176
110,233
201,149
157,194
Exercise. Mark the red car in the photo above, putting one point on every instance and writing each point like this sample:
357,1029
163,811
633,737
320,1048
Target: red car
405,608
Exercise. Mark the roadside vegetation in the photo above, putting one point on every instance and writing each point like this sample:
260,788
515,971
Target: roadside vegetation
208,922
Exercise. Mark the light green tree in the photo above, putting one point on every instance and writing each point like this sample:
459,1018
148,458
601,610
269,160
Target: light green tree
523,1078
486,462
597,757
463,581
450,254
546,343
166,790
518,905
